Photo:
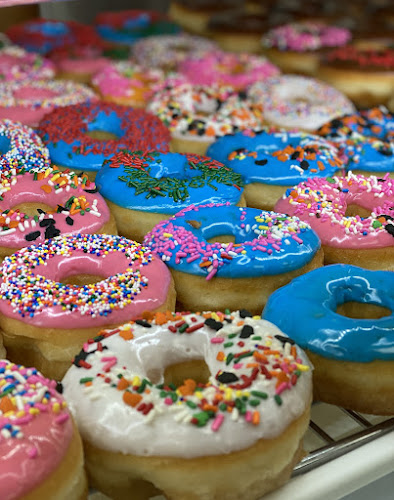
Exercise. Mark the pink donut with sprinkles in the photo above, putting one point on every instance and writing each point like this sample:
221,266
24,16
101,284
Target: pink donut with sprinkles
40,448
353,216
17,64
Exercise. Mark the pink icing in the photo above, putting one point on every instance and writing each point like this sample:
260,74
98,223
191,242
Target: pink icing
80,59
18,64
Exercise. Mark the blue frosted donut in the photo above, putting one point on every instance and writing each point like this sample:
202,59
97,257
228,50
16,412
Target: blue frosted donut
64,131
266,243
306,311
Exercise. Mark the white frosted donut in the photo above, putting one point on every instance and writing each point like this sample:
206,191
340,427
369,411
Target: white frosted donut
258,385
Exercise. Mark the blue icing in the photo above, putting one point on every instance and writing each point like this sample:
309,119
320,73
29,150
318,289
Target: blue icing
49,28
266,243
310,302
183,180
254,157
5,144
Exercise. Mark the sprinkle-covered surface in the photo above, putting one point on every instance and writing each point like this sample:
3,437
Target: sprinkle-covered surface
35,429
76,206
18,64
311,320
276,157
204,112
21,148
381,60
32,290
366,139
266,243
305,36
64,131
29,101
294,101
259,382
323,204
168,51
166,182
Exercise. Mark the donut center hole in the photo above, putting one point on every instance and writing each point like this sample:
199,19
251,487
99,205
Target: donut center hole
194,369
222,238
360,310
82,279
102,135
354,210
31,209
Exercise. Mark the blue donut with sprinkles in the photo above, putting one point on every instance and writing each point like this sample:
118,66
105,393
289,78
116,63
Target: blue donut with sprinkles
263,245
353,355
69,132
272,161
366,139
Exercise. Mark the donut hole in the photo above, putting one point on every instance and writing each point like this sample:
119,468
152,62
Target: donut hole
102,135
31,208
195,369
82,279
354,210
5,145
222,238
361,310
104,128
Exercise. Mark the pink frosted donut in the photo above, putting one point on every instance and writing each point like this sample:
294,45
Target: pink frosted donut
17,64
226,68
28,102
79,60
40,449
353,216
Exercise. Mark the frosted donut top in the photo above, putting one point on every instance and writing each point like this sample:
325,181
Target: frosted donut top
18,64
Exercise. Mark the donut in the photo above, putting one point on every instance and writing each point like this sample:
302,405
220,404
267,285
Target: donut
226,256
127,83
17,64
366,76
166,52
196,115
298,102
352,215
82,136
56,295
28,101
366,138
296,47
41,452
21,147
37,205
44,35
232,389
143,189
224,68
342,315
272,161
2,350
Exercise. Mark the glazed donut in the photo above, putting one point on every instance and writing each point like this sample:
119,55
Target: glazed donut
297,47
244,404
40,448
338,314
366,139
196,115
143,189
260,252
37,205
66,132
28,102
127,83
17,64
21,148
271,161
352,215
297,102
56,295
166,52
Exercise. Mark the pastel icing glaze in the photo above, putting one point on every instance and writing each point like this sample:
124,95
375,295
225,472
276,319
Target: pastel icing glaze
29,101
166,182
76,206
306,36
35,429
254,370
323,204
366,138
64,133
21,147
266,243
226,68
204,112
294,101
18,64
311,320
134,281
273,157
80,59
